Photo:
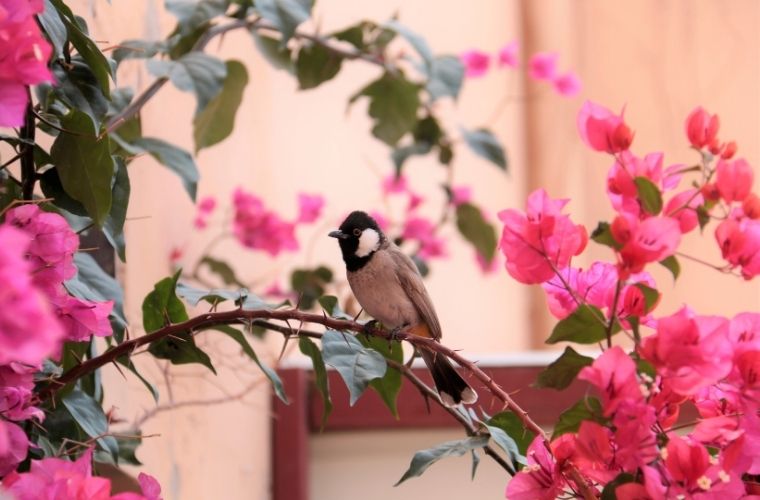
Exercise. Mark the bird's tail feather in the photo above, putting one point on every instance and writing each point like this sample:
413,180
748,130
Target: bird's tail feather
451,386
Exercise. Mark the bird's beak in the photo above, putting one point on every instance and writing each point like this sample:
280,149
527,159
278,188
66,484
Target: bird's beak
338,234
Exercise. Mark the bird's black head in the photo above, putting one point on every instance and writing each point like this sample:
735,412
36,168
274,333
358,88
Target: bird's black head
359,237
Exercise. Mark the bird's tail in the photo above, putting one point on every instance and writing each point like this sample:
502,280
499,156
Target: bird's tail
451,386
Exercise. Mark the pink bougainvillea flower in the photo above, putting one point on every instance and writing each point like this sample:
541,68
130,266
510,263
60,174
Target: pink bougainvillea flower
309,207
486,266
394,184
207,205
751,206
81,318
540,240
614,375
543,65
415,200
508,55
729,150
739,242
602,130
58,478
734,179
16,386
175,255
460,195
567,84
29,331
594,286
683,208
476,63
151,490
256,227
541,479
423,231
200,223
13,446
690,352
650,240
24,54
381,220
701,127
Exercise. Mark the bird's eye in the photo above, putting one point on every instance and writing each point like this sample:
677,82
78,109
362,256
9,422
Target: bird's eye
357,232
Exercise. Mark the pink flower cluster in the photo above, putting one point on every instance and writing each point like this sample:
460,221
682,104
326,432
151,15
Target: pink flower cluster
206,207
51,478
36,314
23,57
256,227
542,66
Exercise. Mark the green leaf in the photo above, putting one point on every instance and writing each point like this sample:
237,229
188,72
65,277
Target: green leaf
651,296
309,284
476,230
238,337
279,390
415,40
588,408
445,77
128,447
353,35
703,216
194,72
54,28
93,283
608,493
316,65
425,458
330,304
484,144
113,228
672,265
52,188
310,349
177,160
127,362
389,385
278,56
285,15
603,235
90,418
393,105
216,121
561,372
78,88
583,326
161,307
403,153
356,364
86,47
475,463
180,349
513,426
223,270
138,49
192,13
649,195
506,443
84,165
215,296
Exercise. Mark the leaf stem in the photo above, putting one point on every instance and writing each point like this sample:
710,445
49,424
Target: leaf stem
28,177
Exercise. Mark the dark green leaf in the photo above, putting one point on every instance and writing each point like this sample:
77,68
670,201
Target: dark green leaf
113,228
52,188
651,296
570,420
603,235
403,153
330,304
561,373
223,270
278,56
445,78
483,143
128,447
425,458
195,72
180,349
393,105
672,265
90,418
703,216
513,426
180,43
84,165
415,40
238,337
311,350
389,385
192,13
475,463
649,195
506,443
86,47
138,49
309,284
476,230
583,326
353,35
54,28
216,121
356,364
608,493
285,15
78,89
316,65
161,307
177,160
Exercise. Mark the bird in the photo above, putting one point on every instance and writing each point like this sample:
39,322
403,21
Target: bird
389,287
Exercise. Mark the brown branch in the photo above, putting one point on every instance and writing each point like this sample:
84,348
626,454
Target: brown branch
28,174
240,316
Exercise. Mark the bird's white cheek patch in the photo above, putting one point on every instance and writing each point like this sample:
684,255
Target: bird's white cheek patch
369,241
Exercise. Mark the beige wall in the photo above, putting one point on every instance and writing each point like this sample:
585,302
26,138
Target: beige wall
659,58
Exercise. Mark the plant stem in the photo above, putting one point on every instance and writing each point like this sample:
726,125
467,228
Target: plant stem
28,174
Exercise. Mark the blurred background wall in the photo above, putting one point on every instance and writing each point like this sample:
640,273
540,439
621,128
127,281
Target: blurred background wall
658,59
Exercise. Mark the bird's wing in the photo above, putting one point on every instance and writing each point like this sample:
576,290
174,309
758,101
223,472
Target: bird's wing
411,282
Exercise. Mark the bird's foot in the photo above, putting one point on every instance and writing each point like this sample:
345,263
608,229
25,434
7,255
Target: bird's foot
393,334
369,326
